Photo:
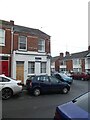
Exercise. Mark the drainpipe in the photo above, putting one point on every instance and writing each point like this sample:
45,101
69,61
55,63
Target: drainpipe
11,40
12,31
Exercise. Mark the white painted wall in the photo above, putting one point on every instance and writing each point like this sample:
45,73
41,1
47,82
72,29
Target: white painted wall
87,63
48,70
23,56
37,66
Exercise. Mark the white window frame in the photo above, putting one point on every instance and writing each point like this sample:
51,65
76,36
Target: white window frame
31,68
2,37
76,61
22,42
43,69
42,45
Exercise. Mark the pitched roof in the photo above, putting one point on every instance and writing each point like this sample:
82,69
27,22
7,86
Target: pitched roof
23,29
53,59
82,54
31,31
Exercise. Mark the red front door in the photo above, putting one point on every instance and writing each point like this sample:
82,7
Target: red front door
4,68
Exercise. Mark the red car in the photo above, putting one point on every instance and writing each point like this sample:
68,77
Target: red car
81,76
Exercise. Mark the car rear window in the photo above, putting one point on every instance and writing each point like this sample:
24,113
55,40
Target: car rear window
83,102
2,79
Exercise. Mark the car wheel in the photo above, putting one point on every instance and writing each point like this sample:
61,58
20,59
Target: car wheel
65,90
6,93
36,92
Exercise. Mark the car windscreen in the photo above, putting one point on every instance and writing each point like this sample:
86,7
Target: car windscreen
63,75
83,102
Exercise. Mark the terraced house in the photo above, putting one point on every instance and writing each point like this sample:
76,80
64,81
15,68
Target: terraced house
76,62
24,51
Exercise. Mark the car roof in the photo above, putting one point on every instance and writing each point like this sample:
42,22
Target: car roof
37,75
2,75
75,110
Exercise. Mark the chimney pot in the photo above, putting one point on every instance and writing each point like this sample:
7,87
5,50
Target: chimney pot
12,22
61,55
67,53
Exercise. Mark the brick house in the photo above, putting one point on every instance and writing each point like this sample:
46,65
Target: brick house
55,62
24,51
76,62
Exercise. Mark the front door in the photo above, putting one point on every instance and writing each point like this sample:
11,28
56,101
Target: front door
4,68
20,71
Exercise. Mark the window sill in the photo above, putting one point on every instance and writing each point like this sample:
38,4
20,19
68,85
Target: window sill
41,51
30,74
22,50
2,45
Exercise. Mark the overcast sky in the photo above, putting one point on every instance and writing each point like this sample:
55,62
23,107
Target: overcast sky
66,21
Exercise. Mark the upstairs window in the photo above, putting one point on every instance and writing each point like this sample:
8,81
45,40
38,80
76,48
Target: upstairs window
2,37
41,45
22,43
76,61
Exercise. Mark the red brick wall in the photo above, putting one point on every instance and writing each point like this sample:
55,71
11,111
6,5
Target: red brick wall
32,43
57,65
15,42
83,65
47,46
69,65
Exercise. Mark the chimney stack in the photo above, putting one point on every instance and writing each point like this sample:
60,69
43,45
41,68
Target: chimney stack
12,22
67,53
61,55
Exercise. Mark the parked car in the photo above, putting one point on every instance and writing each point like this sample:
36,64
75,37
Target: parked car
45,84
66,72
63,78
9,86
81,76
77,109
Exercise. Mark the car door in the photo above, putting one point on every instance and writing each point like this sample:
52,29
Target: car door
5,82
58,76
45,84
55,84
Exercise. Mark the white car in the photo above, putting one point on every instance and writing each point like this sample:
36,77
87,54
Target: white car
9,86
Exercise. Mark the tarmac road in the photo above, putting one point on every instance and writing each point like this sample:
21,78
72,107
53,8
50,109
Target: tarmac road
27,106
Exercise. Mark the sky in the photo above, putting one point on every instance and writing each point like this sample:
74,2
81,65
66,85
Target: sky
66,21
